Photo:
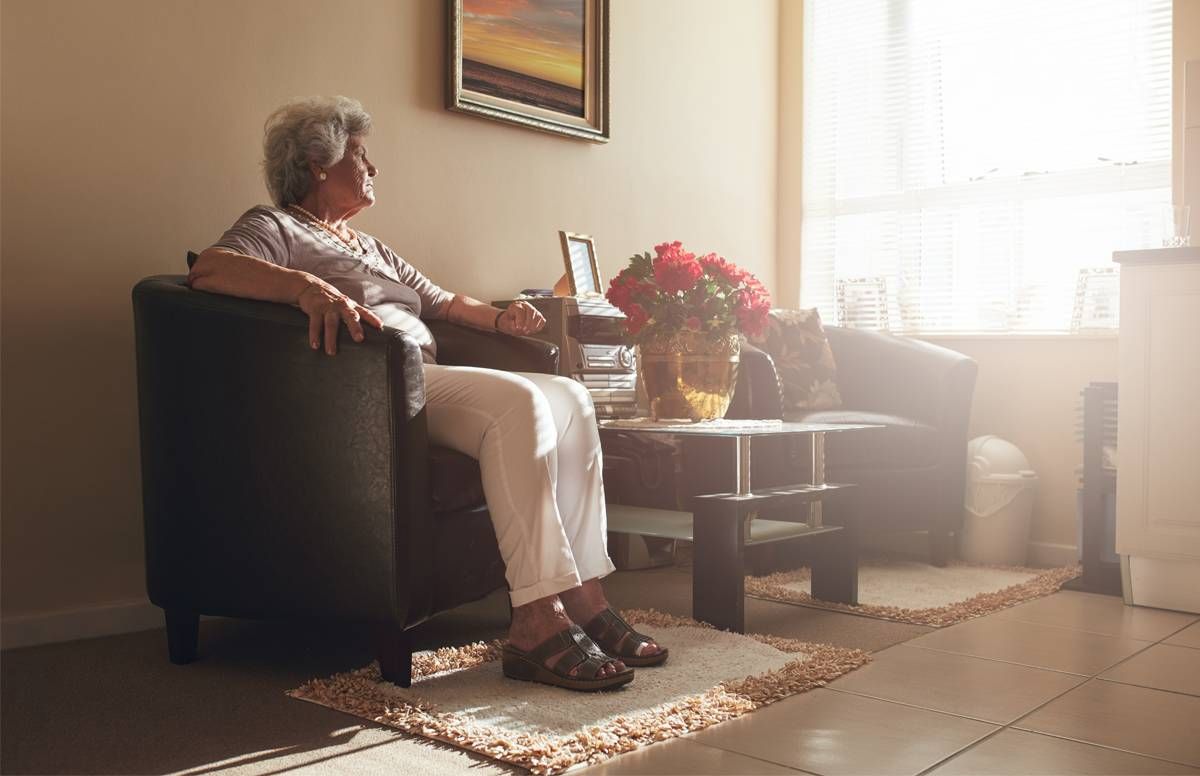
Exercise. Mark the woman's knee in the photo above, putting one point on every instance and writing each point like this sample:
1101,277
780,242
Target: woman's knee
572,393
517,396
519,405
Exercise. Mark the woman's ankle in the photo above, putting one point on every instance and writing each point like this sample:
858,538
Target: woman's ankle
584,602
537,621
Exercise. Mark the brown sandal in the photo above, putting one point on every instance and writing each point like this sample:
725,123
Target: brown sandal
580,653
615,636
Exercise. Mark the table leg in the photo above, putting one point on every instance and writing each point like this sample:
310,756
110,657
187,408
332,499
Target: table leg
718,577
835,567
742,451
817,477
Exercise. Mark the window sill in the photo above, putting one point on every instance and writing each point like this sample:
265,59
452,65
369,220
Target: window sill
1015,336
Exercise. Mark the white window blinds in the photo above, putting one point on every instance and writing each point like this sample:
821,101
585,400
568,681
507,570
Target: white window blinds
966,161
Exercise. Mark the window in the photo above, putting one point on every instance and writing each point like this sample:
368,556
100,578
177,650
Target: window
965,160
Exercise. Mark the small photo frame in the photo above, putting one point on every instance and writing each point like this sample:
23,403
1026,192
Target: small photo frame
579,256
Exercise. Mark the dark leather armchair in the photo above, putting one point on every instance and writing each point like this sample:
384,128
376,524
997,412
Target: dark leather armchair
278,482
910,474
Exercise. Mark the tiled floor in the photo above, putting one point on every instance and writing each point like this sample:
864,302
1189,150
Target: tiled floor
1071,683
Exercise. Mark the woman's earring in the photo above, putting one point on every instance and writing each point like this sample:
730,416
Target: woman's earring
322,176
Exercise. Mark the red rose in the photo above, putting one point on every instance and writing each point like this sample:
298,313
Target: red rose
751,311
635,318
675,269
619,292
723,271
674,275
672,251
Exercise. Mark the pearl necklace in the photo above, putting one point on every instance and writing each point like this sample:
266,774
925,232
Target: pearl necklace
354,244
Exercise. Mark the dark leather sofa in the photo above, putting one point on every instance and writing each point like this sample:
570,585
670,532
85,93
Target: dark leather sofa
281,483
910,475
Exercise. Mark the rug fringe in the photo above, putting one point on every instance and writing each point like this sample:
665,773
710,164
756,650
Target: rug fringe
1046,582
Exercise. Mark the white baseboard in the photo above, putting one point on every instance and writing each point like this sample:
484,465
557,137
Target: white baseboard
1047,555
83,623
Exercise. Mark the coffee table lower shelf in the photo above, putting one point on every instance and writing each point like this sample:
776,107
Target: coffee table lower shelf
718,573
671,524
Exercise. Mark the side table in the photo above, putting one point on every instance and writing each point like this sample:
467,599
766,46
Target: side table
722,525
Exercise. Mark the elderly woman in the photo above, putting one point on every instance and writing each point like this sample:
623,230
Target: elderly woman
534,435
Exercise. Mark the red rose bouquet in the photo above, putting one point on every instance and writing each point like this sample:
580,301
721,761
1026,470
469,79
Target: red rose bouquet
675,293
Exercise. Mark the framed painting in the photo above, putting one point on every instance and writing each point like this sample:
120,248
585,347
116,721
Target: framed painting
542,64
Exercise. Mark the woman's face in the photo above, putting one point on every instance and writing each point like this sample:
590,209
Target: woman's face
348,186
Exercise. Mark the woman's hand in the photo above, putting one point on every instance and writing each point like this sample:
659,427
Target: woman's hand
327,308
519,319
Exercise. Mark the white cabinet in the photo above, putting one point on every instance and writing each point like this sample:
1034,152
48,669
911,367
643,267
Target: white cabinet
1158,438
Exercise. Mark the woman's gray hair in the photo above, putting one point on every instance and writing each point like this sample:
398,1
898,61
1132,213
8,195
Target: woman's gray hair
311,129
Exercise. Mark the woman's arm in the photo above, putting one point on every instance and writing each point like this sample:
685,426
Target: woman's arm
236,274
226,272
518,319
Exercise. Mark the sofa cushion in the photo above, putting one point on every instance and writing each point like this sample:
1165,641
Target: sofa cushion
796,342
902,443
454,480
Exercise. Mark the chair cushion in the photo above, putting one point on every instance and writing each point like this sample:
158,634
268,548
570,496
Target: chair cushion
902,443
796,342
454,480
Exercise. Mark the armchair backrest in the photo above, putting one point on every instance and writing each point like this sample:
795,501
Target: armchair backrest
882,372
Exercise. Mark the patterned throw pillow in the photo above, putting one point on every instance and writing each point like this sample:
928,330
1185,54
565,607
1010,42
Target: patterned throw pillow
803,358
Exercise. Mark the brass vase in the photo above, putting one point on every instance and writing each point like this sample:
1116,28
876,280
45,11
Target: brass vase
688,376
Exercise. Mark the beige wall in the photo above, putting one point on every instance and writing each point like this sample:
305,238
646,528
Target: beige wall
1027,392
131,133
1028,388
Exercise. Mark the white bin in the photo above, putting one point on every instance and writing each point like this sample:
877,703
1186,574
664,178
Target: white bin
999,503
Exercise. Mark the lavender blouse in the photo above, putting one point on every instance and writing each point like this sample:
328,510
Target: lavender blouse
395,290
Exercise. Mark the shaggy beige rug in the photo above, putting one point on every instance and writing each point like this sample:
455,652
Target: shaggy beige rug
921,594
460,696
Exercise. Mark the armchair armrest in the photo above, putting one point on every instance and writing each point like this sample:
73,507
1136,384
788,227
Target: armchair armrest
464,346
902,376
758,393
278,481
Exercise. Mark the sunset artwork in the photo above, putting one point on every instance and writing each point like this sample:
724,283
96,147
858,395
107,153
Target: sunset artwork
527,51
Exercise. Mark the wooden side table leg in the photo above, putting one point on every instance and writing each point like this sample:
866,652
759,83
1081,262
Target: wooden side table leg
835,567
718,576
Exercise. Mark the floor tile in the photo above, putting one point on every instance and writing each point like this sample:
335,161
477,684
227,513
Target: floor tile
680,755
1136,719
1098,614
1163,667
1188,637
1032,754
1032,644
956,684
835,733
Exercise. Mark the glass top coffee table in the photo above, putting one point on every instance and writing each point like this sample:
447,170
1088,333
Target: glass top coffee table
722,524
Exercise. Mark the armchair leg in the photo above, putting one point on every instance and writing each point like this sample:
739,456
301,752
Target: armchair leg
393,648
941,547
183,635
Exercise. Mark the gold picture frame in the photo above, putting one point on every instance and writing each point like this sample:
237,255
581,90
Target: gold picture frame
579,258
572,46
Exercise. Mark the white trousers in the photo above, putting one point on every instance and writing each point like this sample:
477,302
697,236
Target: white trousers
538,449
